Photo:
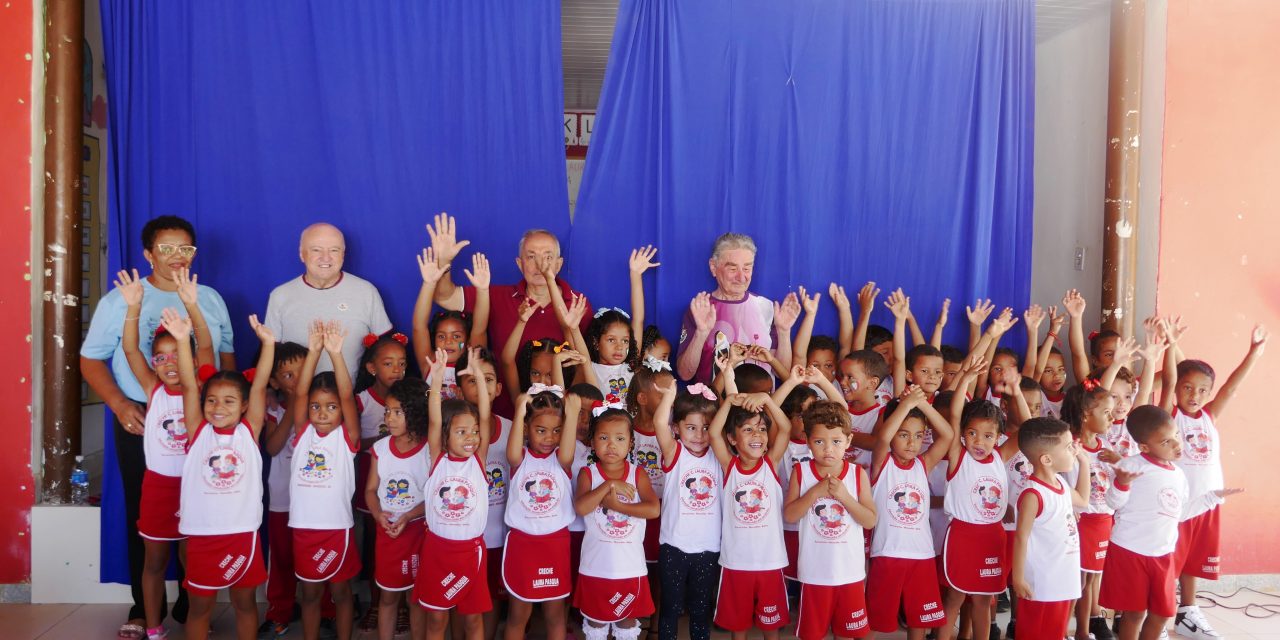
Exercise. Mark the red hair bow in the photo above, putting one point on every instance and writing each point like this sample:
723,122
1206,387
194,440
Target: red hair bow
160,330
1093,334
1090,384
400,337
369,340
250,373
205,372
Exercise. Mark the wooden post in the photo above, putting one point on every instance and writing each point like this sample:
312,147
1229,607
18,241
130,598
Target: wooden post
1124,111
60,337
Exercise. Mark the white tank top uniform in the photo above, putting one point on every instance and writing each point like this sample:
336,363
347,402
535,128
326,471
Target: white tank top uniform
498,469
1148,511
647,454
164,442
323,480
977,490
751,522
1050,408
449,386
1018,472
221,482
402,476
884,392
863,422
1201,461
613,544
1052,566
373,415
457,498
691,502
281,468
1100,475
938,518
613,379
831,543
541,498
582,458
798,452
902,497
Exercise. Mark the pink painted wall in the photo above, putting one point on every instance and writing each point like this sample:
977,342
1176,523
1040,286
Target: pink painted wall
1220,238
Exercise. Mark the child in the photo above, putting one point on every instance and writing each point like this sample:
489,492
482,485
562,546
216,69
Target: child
1196,418
611,346
752,552
654,345
902,557
164,440
1088,411
831,499
1149,494
454,570
453,331
221,503
535,566
1053,379
651,342
861,373
583,456
616,499
327,437
690,525
952,358
534,362
642,400
874,337
822,352
1046,551
394,492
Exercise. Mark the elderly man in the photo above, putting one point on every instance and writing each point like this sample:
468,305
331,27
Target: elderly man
732,310
325,292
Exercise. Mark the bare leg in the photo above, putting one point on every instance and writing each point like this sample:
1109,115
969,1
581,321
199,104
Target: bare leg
474,625
518,612
1188,587
309,602
1152,627
1130,624
345,608
1086,604
155,561
437,622
980,616
951,601
246,606
555,614
388,604
198,617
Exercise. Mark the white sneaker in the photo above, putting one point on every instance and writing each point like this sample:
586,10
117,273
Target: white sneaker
1191,623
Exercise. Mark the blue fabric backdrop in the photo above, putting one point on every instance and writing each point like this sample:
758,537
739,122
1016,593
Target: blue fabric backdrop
254,119
886,140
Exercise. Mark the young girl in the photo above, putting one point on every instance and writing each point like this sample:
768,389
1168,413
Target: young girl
452,331
326,439
690,529
616,500
394,493
1087,409
454,569
611,346
164,439
221,503
536,361
535,559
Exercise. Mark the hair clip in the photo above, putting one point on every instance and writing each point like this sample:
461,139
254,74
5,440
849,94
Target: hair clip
249,374
369,340
554,389
400,337
205,372
560,347
611,402
603,310
703,390
1092,335
160,330
1090,384
537,344
655,365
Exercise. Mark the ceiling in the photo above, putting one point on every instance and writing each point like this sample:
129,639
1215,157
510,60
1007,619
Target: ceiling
587,27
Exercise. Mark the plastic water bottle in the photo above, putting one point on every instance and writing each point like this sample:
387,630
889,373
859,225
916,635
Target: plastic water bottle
79,482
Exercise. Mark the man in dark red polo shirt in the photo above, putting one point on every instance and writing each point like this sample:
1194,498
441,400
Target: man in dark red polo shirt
536,246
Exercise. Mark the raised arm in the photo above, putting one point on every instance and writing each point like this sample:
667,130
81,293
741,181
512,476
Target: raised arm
509,371
568,430
1173,330
444,240
936,339
973,367
800,355
435,417
784,318
479,278
1126,354
900,305
1046,347
1080,492
943,435
189,294
515,441
917,336
977,315
130,286
256,415
483,402
315,345
718,444
779,432
1075,304
431,275
641,260
1257,344
662,426
704,319
334,333
1033,317
813,376
887,428
180,329
866,304
1153,355
845,313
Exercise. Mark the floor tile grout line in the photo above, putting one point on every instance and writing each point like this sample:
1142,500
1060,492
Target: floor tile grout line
59,621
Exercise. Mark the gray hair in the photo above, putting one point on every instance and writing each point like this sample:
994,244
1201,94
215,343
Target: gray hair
730,241
537,232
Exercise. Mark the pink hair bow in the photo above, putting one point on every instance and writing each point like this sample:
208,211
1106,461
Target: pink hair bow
703,390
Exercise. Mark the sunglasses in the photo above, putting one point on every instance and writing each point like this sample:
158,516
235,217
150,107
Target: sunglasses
161,359
183,250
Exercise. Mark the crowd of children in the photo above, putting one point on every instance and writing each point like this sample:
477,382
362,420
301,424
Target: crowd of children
868,485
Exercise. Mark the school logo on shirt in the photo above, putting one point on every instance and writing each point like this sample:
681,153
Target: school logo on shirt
1099,482
618,387
1021,467
697,490
1170,503
614,524
1073,532
831,519
539,493
223,468
456,499
317,468
988,497
751,502
646,457
908,503
497,472
396,495
174,433
1199,446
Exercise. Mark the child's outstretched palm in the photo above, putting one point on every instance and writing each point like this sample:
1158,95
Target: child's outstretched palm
838,297
177,326
428,266
946,311
810,303
785,314
867,298
315,335
642,259
478,276
130,286
899,304
435,367
980,311
264,334
1123,477
1033,316
1074,303
334,333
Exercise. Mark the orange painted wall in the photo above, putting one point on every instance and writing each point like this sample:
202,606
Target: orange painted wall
1220,238
17,492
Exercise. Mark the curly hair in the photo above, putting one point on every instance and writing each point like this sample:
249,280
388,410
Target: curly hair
600,324
1080,401
650,337
829,414
644,380
411,393
531,348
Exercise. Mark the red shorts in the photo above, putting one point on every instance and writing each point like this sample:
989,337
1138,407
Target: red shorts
158,511
914,583
1134,582
791,539
453,573
575,555
841,609
613,600
395,565
232,560
536,568
1095,538
364,460
325,555
1043,619
748,597
1197,553
973,557
652,531
1008,557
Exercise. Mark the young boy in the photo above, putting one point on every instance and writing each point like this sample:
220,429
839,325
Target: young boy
903,569
1046,548
1196,416
831,500
861,373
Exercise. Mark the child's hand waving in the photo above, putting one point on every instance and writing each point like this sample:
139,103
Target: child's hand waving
1123,477
315,335
1032,317
444,238
980,311
479,273
810,304
899,304
334,333
642,259
264,334
177,326
435,367
838,297
867,298
130,287
1074,303
946,311
429,266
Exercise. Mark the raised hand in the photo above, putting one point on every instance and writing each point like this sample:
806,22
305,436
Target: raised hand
812,375
867,298
808,303
838,297
130,286
188,292
1033,316
785,314
178,326
1152,326
642,259
315,335
527,308
569,358
738,353
1123,477
264,334
1056,320
667,387
946,311
444,238
429,267
1074,303
334,333
704,315
899,304
479,273
473,365
754,402
1126,351
435,367
1004,321
1009,381
577,309
800,374
980,311
1174,329
975,365
913,396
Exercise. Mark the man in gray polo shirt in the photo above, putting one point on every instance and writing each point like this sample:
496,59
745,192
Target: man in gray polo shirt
325,292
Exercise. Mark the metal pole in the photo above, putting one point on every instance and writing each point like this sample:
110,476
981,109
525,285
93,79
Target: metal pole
1119,235
60,393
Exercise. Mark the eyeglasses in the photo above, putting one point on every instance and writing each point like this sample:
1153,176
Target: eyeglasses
183,250
161,359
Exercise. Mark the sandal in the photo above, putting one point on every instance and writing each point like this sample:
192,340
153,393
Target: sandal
369,622
402,620
131,631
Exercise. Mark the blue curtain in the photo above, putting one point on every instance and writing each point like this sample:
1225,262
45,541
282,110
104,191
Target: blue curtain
254,119
886,140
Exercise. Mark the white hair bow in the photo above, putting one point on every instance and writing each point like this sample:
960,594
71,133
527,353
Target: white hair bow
603,310
538,387
655,365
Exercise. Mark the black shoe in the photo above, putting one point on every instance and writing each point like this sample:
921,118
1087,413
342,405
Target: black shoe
1002,602
328,629
1115,624
180,606
1008,631
995,631
1098,629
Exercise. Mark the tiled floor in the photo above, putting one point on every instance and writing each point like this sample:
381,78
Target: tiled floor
90,622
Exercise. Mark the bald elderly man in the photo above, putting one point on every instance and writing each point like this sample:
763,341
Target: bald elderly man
325,292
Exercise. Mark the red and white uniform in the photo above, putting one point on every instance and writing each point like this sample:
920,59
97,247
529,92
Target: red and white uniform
1051,406
613,580
977,490
884,392
1139,568
582,459
647,454
320,486
613,379
498,470
938,518
752,551
402,480
797,452
973,554
830,541
1052,566
1119,440
454,564
164,443
1018,472
902,497
863,422
1201,461
691,502
1096,518
373,424
535,560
